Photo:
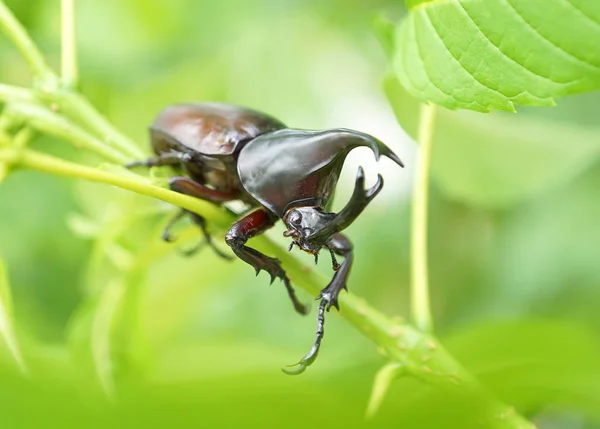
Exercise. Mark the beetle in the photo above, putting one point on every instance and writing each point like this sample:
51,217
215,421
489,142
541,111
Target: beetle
229,152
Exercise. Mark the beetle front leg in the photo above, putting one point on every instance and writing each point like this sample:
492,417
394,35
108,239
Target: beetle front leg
249,226
340,245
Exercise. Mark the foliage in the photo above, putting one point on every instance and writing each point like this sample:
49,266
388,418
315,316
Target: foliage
459,54
116,328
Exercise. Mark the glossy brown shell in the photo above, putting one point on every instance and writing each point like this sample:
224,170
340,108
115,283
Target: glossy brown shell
292,167
211,129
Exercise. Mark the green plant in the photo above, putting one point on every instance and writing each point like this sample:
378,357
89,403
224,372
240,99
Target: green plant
53,106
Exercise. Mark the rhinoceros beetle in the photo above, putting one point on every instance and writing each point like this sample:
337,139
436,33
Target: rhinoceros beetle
234,153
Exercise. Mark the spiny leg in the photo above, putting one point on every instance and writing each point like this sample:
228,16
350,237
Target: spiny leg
190,187
201,223
339,244
249,226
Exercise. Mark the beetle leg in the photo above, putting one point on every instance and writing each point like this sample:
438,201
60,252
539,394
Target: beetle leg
185,185
201,222
343,247
166,235
167,158
339,244
249,226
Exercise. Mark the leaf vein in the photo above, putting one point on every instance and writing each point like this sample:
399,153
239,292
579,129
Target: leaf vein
504,54
541,36
582,12
457,60
429,76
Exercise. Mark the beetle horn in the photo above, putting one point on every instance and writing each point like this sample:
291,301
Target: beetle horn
362,139
360,198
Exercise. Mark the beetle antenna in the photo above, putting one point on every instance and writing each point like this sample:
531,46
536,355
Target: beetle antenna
291,246
316,258
311,356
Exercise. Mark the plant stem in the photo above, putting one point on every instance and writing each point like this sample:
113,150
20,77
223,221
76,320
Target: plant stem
420,305
77,107
17,34
47,81
69,69
49,164
48,122
15,93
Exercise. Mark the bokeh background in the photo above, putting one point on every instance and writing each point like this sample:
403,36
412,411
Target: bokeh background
514,236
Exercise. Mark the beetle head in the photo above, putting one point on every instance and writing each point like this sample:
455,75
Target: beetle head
304,226
311,227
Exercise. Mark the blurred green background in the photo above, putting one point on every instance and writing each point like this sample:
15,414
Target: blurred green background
514,233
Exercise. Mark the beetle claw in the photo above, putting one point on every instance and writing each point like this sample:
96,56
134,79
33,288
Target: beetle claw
301,368
371,192
311,356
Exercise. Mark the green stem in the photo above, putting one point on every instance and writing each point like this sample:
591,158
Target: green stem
17,34
420,306
48,122
77,107
49,164
69,69
15,93
73,104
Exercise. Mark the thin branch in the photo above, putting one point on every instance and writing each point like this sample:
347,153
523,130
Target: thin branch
73,104
48,122
15,93
130,181
420,305
69,68
80,109
17,34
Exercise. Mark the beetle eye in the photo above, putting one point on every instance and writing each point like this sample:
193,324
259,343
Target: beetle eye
296,218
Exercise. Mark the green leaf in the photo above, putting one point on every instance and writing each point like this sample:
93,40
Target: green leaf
494,54
385,31
381,385
6,320
497,160
532,365
535,362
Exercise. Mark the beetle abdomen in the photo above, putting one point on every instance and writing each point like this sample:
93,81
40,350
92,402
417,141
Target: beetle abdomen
209,128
